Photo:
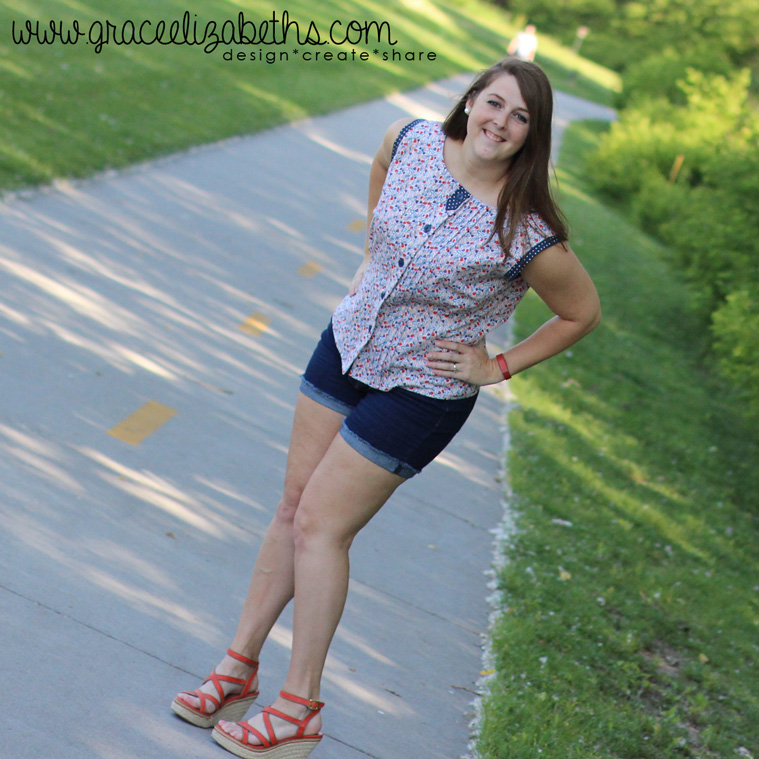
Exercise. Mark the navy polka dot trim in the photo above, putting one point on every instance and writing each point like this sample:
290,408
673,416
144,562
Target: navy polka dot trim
456,198
402,134
516,269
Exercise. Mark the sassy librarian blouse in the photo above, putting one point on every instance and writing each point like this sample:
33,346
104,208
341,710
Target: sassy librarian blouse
433,274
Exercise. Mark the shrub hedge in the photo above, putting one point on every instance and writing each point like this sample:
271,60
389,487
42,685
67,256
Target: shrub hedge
688,166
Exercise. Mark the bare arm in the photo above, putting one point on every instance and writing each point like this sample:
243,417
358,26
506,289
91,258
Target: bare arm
377,177
564,286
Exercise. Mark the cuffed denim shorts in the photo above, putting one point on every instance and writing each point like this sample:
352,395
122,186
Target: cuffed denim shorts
397,429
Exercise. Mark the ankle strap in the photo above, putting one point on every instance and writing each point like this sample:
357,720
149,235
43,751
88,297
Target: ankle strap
240,657
311,703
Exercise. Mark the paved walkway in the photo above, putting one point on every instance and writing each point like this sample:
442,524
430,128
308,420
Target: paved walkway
191,290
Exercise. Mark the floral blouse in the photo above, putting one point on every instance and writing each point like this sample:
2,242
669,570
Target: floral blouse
432,273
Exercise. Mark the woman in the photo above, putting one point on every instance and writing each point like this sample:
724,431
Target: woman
461,223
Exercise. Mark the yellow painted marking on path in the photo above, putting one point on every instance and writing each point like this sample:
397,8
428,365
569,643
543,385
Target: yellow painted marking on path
357,225
310,269
255,324
143,422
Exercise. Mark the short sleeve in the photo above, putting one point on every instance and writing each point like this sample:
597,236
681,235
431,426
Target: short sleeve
402,134
532,237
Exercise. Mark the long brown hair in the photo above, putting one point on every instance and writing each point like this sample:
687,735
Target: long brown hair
527,188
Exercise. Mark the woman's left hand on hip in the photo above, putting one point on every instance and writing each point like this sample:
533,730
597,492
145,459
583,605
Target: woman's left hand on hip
468,363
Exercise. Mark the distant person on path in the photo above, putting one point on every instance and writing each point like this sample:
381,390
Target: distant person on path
461,223
525,44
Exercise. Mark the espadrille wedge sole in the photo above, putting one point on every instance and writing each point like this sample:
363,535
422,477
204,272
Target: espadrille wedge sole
232,707
291,748
269,746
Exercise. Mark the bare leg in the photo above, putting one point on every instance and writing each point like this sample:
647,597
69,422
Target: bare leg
342,495
271,586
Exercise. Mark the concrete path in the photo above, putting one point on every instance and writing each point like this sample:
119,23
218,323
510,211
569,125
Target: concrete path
193,289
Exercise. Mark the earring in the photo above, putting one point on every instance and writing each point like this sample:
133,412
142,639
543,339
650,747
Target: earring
466,110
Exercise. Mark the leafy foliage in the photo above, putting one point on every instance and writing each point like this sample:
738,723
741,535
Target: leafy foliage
624,33
735,326
652,133
659,75
650,26
691,174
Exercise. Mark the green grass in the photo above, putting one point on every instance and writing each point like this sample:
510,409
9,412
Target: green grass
634,631
66,111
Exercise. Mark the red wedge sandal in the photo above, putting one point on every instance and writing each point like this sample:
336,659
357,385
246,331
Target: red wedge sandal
232,707
297,747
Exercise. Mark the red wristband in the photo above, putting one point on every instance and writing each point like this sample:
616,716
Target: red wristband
501,359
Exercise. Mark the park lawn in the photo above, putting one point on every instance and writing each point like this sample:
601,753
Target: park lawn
67,111
630,620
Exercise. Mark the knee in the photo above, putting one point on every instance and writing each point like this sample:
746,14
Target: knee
313,528
305,526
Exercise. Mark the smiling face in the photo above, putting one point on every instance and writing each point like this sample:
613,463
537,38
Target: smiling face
499,121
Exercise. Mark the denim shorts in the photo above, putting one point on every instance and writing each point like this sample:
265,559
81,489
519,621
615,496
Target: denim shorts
397,429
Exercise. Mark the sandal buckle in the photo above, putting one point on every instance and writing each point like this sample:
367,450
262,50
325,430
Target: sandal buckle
313,705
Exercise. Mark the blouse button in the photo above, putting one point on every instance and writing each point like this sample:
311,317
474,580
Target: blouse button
382,294
400,262
427,227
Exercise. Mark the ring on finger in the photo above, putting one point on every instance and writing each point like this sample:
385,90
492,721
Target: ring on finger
455,366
